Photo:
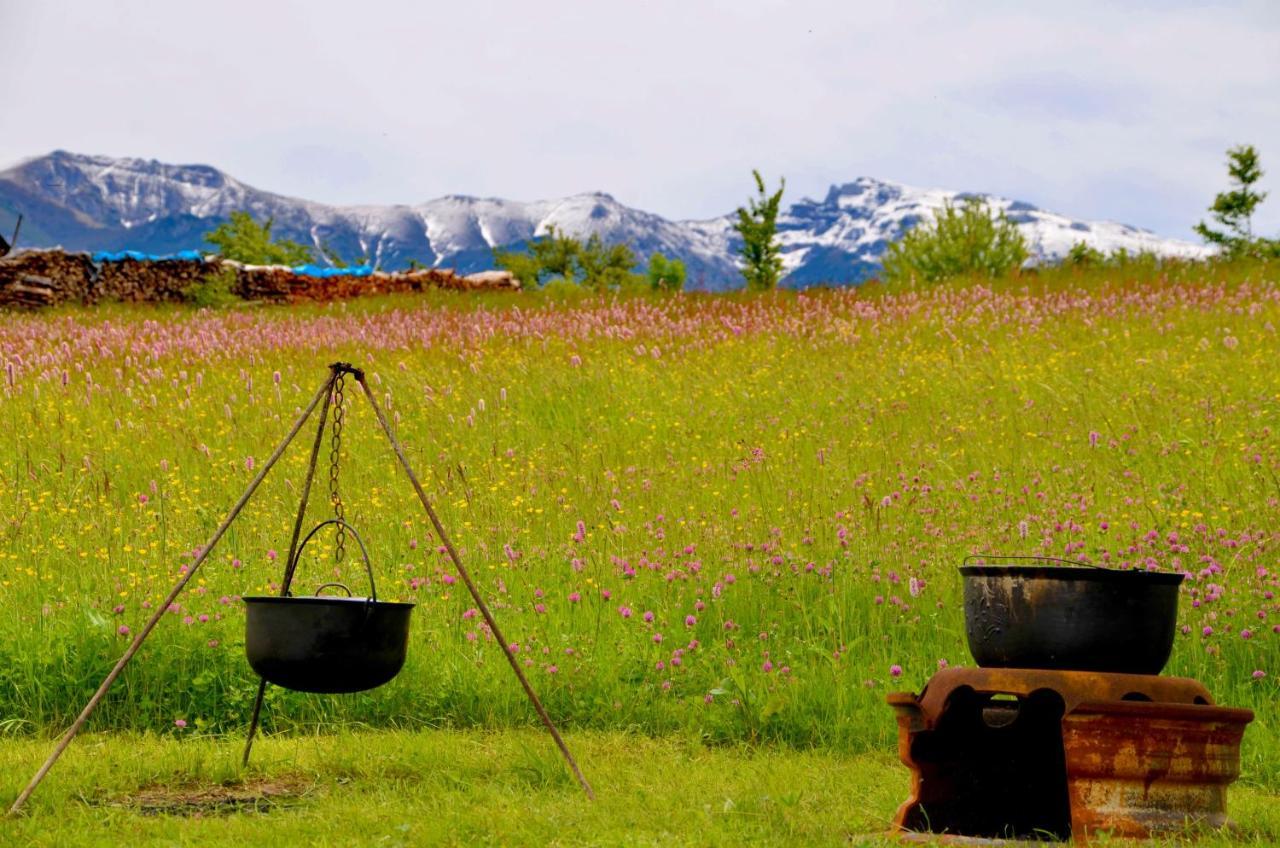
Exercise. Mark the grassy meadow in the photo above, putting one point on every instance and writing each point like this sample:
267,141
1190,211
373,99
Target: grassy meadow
724,519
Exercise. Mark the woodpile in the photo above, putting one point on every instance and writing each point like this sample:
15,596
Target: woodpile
59,276
166,280
35,278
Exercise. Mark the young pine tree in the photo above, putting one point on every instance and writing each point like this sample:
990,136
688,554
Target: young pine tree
1233,210
757,225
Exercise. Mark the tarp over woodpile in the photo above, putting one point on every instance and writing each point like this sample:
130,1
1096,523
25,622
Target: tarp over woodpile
52,277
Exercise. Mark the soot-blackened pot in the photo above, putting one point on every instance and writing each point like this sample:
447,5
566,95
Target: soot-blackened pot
1074,617
327,644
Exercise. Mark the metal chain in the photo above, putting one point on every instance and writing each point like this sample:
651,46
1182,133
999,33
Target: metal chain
335,447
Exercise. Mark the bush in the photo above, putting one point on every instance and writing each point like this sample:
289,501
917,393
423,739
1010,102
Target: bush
214,291
665,274
961,241
244,240
568,261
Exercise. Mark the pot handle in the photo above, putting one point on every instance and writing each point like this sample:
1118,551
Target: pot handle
1035,558
364,553
342,586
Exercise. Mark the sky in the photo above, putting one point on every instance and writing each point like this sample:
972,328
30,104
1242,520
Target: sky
1110,110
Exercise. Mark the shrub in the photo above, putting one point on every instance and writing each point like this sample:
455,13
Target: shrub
665,274
245,240
960,241
566,260
214,291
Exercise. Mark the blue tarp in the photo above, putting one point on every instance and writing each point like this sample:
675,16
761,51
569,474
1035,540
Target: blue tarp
106,256
300,270
326,271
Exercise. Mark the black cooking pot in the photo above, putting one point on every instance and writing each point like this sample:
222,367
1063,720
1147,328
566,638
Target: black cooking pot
1072,616
327,644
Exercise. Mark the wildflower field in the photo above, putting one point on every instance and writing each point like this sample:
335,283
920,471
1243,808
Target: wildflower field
726,518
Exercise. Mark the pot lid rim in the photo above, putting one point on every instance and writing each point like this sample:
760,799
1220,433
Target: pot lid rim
322,599
1067,572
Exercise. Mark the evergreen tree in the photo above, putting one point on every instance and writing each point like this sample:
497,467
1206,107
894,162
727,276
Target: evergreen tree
1233,210
757,225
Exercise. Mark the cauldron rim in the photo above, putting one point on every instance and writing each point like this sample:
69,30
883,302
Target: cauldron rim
323,599
1074,573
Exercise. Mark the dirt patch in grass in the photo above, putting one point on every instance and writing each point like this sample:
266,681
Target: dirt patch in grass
254,796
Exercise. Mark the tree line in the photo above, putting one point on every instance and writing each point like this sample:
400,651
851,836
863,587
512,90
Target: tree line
961,241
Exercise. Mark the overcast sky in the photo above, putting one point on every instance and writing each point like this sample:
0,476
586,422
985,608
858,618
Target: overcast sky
1106,110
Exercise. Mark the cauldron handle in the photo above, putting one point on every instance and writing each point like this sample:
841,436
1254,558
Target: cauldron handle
364,553
1029,557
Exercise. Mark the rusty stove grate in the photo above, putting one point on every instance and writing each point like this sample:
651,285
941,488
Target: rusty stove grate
1026,753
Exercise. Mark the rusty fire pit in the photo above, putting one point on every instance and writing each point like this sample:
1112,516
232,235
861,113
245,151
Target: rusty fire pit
1032,753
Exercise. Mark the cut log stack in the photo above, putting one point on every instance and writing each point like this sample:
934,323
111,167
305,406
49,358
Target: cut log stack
46,278
36,278
163,280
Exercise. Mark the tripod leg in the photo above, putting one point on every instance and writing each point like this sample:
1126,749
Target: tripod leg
293,549
71,732
475,593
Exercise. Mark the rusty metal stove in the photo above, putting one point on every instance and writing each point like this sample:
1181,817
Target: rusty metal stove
999,752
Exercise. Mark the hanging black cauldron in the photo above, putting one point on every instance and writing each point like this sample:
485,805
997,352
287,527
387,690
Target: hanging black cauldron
327,644
1075,616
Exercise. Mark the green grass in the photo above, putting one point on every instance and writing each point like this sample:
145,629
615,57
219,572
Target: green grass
800,474
474,788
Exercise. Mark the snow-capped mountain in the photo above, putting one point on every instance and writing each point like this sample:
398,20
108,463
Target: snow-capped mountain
100,203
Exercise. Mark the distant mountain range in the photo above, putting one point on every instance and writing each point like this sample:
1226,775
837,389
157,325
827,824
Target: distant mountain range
85,202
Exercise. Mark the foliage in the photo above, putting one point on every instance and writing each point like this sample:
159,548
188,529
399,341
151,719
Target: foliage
965,241
601,267
214,291
665,274
245,240
1233,210
1083,255
524,266
757,226
363,261
561,257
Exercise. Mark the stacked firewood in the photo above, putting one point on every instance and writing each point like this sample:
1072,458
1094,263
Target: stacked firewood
152,280
50,277
46,278
281,285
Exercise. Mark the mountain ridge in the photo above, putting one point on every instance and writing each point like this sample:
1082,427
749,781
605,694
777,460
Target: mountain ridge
91,202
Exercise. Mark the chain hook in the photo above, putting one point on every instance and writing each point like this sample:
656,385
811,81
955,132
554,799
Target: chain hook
335,448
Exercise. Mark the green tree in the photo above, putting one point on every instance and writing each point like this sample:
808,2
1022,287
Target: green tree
757,225
244,240
665,274
1083,256
602,267
523,266
1233,210
556,254
959,241
565,260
